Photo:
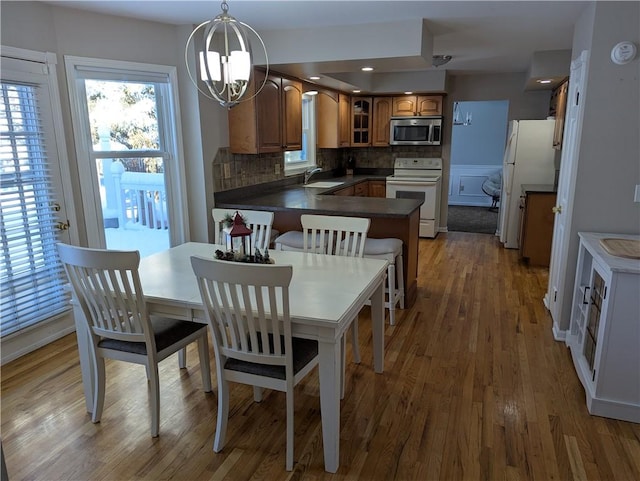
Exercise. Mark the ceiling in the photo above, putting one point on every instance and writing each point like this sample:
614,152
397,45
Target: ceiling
481,36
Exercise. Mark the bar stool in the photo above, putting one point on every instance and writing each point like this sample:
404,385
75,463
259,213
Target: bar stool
293,240
390,250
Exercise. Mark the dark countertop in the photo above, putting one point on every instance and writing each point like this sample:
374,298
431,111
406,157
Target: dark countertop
317,200
527,188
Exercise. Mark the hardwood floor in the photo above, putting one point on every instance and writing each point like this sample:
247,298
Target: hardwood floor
474,388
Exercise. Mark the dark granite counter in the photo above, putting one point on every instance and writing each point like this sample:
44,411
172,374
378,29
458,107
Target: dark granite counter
317,200
537,188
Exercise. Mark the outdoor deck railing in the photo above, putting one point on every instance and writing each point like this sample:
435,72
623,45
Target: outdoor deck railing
141,199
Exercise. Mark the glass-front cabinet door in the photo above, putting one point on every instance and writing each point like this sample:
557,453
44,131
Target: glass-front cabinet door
361,121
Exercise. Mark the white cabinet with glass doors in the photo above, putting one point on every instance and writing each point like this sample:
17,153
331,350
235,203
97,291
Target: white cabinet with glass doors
604,335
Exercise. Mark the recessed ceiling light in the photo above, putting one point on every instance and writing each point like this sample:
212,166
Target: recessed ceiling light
408,93
314,77
356,91
544,81
311,92
367,69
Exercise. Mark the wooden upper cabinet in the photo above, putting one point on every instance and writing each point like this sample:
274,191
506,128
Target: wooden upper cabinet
327,119
417,105
559,107
429,105
382,107
269,122
291,114
268,115
361,109
344,122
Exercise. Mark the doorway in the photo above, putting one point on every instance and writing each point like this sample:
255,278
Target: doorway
479,130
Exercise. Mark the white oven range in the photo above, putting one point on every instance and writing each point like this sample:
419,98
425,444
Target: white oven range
419,178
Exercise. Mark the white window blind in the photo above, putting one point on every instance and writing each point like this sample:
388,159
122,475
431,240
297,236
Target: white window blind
32,277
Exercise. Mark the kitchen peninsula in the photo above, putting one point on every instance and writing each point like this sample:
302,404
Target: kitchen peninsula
397,218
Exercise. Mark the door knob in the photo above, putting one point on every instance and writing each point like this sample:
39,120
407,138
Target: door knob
557,209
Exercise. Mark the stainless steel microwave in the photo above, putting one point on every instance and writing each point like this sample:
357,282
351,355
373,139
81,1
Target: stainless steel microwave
415,131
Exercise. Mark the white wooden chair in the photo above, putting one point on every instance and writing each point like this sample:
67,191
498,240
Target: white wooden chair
107,288
258,221
342,236
247,307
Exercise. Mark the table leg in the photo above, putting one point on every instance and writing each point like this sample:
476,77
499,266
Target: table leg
329,370
377,326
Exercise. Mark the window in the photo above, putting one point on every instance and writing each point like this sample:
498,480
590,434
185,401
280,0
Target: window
125,118
298,161
32,277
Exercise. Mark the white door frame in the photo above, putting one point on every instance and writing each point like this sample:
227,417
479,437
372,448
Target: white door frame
554,298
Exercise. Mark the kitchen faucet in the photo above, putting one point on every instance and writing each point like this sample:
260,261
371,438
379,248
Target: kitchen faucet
309,173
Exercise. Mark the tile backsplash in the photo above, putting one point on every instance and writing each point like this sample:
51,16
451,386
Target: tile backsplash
231,171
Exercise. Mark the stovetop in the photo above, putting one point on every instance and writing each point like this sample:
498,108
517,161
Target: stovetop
417,168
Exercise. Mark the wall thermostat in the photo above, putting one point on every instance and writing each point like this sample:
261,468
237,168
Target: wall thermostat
623,52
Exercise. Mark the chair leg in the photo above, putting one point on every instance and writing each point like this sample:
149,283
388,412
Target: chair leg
205,367
355,344
98,390
182,358
223,415
289,462
400,279
391,282
257,393
155,399
343,365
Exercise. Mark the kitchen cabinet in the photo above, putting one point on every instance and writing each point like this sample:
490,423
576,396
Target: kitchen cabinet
604,329
382,107
377,188
344,120
536,223
269,122
370,188
558,109
361,110
346,191
327,119
361,189
417,105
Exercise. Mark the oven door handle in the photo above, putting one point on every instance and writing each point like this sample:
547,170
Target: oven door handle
411,183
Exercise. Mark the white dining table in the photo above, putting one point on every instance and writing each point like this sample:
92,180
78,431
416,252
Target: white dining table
325,295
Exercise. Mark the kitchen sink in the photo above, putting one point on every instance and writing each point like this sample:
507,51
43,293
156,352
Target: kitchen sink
324,185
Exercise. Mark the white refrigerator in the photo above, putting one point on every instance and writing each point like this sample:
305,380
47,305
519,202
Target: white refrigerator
528,159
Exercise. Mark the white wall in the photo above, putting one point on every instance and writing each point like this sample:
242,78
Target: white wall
483,141
608,164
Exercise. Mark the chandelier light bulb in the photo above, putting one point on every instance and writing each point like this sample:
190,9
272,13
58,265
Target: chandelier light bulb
226,61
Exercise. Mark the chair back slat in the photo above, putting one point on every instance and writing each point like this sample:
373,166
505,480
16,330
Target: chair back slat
337,235
258,221
247,308
107,288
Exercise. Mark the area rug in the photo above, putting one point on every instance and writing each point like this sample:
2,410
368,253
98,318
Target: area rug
464,218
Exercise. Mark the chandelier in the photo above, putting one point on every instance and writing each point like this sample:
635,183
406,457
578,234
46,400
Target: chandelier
226,60
460,118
